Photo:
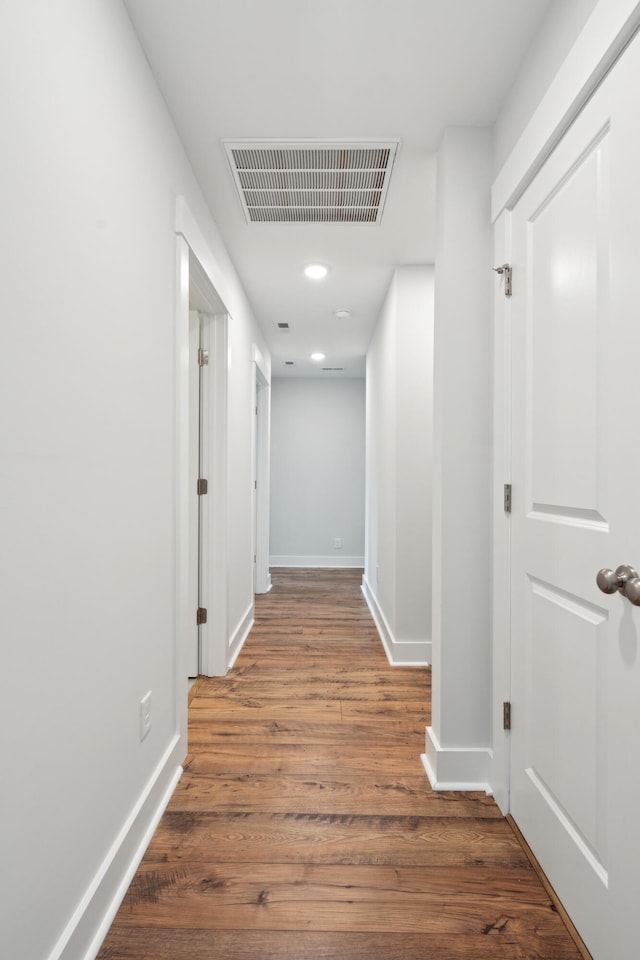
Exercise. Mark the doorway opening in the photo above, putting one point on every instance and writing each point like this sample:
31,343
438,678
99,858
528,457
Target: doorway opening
201,438
260,448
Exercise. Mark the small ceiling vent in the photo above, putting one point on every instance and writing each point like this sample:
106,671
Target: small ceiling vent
282,325
312,181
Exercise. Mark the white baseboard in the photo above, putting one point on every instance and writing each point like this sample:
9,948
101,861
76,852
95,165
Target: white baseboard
456,768
93,916
400,653
240,634
329,562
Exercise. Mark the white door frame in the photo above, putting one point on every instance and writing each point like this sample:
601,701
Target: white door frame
197,285
260,472
606,34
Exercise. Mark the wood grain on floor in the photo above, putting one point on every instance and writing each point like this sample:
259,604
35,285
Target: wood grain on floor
304,827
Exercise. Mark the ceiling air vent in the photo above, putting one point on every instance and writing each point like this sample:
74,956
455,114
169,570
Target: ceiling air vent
283,326
312,181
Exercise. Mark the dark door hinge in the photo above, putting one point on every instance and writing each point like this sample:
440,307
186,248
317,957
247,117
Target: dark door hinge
203,357
506,715
201,615
203,487
507,498
506,270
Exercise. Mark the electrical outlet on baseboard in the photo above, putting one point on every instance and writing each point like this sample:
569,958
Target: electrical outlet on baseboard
337,543
145,715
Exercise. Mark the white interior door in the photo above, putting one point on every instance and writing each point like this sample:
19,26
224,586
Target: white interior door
193,642
576,508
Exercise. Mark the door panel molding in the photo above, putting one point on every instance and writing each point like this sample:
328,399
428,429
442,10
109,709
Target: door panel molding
605,36
609,30
576,654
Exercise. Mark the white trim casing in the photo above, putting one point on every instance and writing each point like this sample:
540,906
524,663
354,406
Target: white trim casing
182,468
187,227
501,668
606,34
400,653
456,768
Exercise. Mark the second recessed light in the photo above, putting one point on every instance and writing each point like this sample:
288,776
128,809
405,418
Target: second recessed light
317,356
316,271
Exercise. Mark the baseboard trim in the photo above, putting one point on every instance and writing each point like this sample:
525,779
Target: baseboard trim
400,653
456,768
240,634
93,916
326,562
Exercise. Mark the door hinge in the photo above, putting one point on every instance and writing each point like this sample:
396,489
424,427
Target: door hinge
203,487
201,615
507,270
507,498
506,715
203,357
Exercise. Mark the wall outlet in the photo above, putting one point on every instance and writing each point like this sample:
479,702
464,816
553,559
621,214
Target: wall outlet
337,543
145,715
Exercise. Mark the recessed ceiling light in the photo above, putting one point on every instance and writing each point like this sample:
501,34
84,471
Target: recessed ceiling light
317,356
316,271
342,314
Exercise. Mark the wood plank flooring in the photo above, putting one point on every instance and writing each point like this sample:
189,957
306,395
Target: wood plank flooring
304,827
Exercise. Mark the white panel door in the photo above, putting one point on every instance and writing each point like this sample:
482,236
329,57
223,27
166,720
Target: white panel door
193,640
576,509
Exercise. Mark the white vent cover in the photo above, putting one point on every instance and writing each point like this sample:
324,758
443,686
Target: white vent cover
312,181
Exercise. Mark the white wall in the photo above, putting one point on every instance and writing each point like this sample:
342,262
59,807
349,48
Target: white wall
317,472
92,167
397,581
458,741
559,30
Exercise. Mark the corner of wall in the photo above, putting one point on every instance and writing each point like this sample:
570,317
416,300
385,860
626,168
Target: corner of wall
456,768
400,653
240,633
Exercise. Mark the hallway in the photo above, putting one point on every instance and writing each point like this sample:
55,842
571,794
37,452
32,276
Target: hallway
304,825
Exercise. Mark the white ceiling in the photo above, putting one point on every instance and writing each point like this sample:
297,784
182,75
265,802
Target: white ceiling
335,69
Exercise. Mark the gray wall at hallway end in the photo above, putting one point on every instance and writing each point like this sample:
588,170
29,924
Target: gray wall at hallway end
317,470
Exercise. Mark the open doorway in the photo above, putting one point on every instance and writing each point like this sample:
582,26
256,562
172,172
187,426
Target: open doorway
261,429
201,391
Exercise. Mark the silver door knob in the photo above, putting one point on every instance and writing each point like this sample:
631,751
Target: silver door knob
632,591
609,582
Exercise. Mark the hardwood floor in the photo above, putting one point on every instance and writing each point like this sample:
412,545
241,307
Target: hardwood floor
304,827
